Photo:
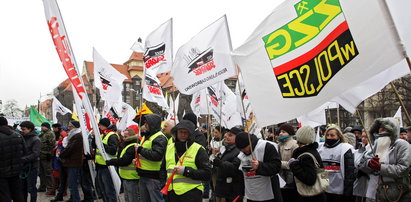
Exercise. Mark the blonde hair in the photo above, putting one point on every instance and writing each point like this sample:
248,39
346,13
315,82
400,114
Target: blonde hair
339,133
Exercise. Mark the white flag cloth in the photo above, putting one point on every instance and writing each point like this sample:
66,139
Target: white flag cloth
198,102
398,116
204,60
401,16
152,91
64,51
127,115
138,47
315,117
107,79
58,108
172,111
158,55
307,52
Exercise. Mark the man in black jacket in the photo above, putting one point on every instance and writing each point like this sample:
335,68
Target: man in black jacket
150,156
31,160
198,136
260,168
189,161
12,149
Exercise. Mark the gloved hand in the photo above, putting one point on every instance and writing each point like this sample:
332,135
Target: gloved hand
374,163
108,162
179,169
217,162
291,160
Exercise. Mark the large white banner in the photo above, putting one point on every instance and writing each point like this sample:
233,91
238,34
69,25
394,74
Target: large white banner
205,59
308,52
152,90
58,108
107,79
158,55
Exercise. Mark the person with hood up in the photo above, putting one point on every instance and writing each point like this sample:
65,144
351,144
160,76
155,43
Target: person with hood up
198,135
150,156
110,140
127,169
12,149
338,160
388,164
304,168
287,145
189,161
72,158
31,160
260,169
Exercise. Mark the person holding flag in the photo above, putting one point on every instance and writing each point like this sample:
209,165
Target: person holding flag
187,165
110,140
150,154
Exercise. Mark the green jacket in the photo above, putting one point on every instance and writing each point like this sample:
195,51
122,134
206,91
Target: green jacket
48,142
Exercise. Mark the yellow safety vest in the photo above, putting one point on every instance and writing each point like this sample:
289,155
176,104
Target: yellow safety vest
180,183
128,172
99,158
145,163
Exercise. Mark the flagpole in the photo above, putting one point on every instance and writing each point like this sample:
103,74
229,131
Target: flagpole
221,109
208,123
174,105
401,102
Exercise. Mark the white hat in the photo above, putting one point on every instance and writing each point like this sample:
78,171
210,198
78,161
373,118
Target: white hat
305,135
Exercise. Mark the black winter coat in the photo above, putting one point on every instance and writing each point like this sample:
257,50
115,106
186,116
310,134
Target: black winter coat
72,155
305,170
227,167
128,156
33,143
158,146
12,149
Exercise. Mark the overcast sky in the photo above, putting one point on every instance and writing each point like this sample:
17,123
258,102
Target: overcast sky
29,64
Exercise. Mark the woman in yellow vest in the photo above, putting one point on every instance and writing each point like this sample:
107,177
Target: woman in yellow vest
189,161
127,169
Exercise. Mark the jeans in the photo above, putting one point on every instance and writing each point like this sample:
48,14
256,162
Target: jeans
131,190
73,179
106,184
63,182
10,189
29,184
86,183
150,190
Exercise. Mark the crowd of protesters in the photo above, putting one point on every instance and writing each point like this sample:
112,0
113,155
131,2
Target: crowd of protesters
172,161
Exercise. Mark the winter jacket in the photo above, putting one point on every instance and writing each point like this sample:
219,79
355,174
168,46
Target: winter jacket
72,155
304,168
230,180
48,141
128,156
33,143
396,164
12,149
286,150
200,138
158,147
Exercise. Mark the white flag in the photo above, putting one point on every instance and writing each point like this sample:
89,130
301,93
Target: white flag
204,60
107,79
198,103
127,115
58,108
152,90
158,55
398,116
305,53
172,111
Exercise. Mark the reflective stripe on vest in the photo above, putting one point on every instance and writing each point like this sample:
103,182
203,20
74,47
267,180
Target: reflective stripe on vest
147,144
128,172
182,184
99,158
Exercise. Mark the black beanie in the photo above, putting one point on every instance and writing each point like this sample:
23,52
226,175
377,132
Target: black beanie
104,122
191,117
3,121
235,130
56,125
76,124
241,140
45,124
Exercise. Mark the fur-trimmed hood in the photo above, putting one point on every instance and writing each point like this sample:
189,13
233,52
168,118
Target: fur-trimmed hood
392,126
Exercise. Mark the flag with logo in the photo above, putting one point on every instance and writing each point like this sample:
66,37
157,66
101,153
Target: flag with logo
127,114
205,59
158,55
58,108
398,116
306,52
172,111
64,51
152,90
107,79
36,118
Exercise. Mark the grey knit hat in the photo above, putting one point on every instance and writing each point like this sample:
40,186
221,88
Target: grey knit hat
305,135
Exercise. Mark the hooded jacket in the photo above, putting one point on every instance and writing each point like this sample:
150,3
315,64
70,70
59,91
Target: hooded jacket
33,143
12,149
158,147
